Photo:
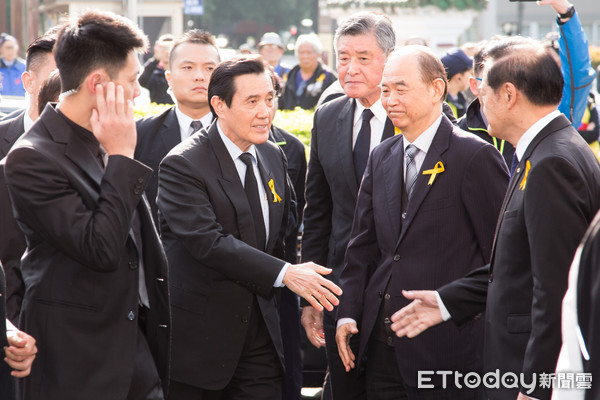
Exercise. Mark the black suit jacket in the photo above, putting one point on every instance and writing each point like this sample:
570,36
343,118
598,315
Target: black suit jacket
545,213
446,231
12,240
215,270
7,383
331,186
157,135
80,268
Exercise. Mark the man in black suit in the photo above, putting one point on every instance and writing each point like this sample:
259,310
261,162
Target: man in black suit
344,132
96,294
192,60
425,214
553,195
224,203
39,63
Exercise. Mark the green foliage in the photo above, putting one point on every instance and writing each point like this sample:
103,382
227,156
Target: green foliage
392,4
298,122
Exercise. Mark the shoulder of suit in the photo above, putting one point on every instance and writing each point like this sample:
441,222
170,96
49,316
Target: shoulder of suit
333,106
154,118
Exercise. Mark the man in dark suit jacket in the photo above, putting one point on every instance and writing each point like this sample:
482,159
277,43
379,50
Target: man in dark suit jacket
96,294
224,202
422,217
553,195
363,43
192,59
39,63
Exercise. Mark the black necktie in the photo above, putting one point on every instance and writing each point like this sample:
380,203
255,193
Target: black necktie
251,189
362,145
196,126
513,165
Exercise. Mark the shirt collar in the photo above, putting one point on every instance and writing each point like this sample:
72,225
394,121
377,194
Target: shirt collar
532,132
234,151
376,108
27,121
424,140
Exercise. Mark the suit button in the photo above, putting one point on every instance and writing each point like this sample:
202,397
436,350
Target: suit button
387,296
244,319
397,257
140,180
137,191
386,321
133,265
131,316
390,340
404,215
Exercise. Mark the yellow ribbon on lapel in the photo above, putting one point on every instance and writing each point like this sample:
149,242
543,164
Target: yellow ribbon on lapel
397,131
439,168
524,181
276,198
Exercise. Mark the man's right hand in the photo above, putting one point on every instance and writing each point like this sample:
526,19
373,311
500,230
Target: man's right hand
312,321
342,338
112,120
422,313
305,280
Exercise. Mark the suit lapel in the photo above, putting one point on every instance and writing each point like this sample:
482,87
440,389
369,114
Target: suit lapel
388,130
343,136
233,188
438,147
393,169
169,132
556,124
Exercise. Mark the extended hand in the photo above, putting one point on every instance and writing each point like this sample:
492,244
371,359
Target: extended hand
312,321
342,338
419,315
305,280
560,6
20,353
112,120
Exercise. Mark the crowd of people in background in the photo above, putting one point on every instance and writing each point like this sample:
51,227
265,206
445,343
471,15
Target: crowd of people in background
447,207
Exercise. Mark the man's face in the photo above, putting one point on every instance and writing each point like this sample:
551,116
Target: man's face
190,72
128,77
9,50
408,100
248,119
360,67
271,53
491,106
307,57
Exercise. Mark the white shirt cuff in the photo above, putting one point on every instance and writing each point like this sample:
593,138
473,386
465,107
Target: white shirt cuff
343,321
279,280
443,310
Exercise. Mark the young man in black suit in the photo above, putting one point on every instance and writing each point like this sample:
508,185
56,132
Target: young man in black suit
553,195
224,202
192,59
425,214
341,141
96,294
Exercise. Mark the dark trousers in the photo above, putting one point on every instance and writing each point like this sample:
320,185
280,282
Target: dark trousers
145,384
258,374
290,333
342,385
384,381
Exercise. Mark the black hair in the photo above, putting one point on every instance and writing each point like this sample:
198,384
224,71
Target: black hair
39,48
195,36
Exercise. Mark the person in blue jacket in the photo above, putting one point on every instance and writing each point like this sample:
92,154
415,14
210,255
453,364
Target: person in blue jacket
11,67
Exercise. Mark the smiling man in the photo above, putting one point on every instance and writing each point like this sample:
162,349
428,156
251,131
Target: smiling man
224,203
192,59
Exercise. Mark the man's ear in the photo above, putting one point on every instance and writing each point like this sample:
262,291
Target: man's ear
510,94
218,105
438,86
168,76
27,80
473,86
94,79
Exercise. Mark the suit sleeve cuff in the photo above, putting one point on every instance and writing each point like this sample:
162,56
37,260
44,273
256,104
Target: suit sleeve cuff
343,321
443,310
279,280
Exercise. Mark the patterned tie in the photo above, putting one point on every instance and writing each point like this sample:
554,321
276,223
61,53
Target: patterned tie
411,169
196,126
513,165
362,145
251,189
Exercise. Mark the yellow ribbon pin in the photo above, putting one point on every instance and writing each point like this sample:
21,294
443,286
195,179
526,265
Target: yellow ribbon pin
524,181
276,198
439,168
397,131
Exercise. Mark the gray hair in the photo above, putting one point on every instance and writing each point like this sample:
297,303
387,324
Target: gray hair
364,23
311,39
